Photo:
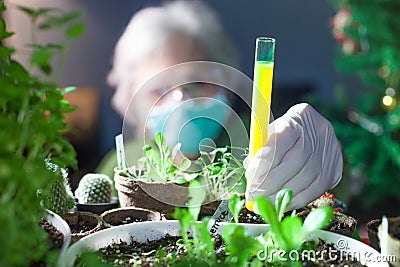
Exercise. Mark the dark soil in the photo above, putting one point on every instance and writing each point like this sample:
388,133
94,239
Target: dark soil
56,239
127,220
82,227
247,216
156,253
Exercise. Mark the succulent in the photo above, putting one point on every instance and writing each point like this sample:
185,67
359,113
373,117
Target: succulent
58,197
94,188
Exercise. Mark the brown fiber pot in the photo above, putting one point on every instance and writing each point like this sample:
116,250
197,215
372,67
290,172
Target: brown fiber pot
77,219
372,229
160,197
341,223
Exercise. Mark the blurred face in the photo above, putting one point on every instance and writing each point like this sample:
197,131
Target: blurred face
178,49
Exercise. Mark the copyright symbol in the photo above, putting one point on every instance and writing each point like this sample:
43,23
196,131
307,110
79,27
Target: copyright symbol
341,244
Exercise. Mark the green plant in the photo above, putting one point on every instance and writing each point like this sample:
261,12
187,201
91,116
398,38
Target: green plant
221,171
290,232
59,197
94,188
200,246
32,119
157,164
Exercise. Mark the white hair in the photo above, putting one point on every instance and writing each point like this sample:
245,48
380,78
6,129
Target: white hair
149,29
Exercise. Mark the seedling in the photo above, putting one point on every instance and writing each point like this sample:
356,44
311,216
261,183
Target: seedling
290,233
157,164
221,170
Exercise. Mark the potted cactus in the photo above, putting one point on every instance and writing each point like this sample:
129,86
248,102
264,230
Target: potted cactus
94,194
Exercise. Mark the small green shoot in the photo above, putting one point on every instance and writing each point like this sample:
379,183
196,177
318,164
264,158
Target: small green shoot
236,205
201,245
290,232
157,164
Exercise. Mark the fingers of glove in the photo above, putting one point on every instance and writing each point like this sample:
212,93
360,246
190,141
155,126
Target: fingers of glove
292,163
281,139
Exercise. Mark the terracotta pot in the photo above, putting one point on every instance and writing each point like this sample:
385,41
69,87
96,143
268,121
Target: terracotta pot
160,197
128,215
76,220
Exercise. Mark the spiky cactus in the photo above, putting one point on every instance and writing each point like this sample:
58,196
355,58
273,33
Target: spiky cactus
94,188
59,197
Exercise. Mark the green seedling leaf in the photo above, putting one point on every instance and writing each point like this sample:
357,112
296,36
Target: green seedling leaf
235,205
292,232
267,212
197,196
282,202
3,32
34,14
239,245
151,155
317,219
160,140
185,164
75,31
69,89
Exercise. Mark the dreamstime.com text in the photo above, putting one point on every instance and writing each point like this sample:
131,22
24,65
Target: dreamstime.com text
339,252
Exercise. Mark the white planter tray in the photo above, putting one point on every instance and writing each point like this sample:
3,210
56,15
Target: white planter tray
153,230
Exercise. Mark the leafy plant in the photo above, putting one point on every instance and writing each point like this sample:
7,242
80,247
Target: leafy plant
221,171
201,245
289,233
236,204
157,164
32,119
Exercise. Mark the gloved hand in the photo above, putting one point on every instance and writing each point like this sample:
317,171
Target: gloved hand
302,153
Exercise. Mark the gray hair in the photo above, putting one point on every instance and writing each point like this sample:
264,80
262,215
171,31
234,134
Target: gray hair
151,27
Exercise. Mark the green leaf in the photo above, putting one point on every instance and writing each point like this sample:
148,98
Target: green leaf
317,219
75,31
185,164
69,89
292,232
239,245
197,196
282,202
160,140
235,205
267,212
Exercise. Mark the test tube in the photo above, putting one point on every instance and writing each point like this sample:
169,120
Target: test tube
261,97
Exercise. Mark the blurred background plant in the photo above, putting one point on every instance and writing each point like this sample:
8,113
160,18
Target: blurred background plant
32,112
368,125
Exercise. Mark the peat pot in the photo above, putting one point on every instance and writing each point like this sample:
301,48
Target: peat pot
116,217
82,224
160,197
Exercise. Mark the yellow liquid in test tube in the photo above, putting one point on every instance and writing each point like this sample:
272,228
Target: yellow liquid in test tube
261,100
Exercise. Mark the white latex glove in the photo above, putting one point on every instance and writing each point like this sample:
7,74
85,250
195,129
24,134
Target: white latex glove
302,153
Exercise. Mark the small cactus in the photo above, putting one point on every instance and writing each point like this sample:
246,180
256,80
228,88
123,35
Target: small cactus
58,197
94,188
